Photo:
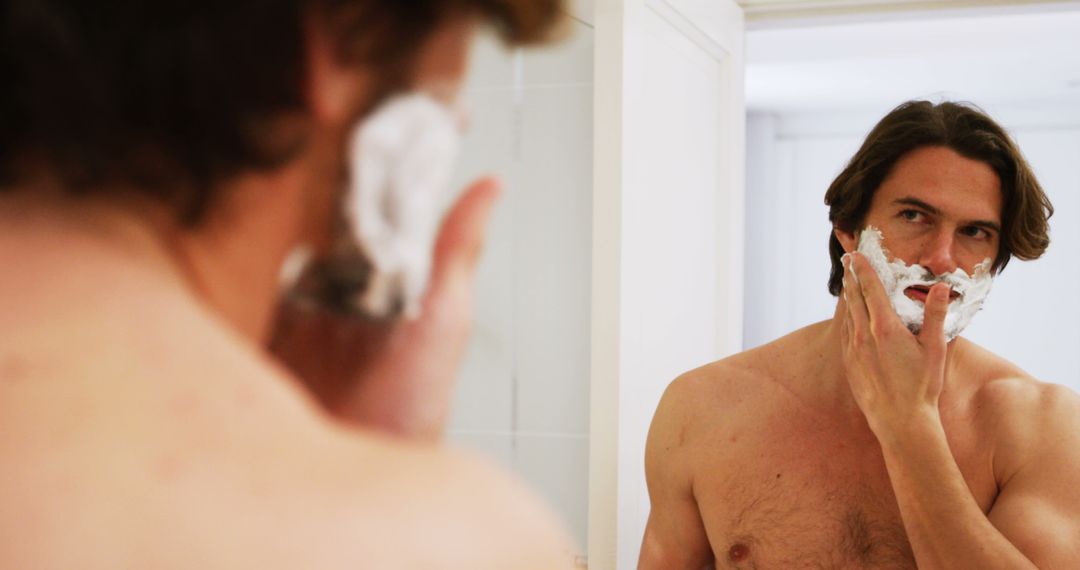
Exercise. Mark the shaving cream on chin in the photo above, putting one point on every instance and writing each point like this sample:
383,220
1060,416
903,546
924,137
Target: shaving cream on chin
897,277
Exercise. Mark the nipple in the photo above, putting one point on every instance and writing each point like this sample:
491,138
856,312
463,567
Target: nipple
739,552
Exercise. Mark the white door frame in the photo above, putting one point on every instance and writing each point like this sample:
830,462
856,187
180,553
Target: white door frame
705,30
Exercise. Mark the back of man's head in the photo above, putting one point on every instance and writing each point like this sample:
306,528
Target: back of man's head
171,97
966,130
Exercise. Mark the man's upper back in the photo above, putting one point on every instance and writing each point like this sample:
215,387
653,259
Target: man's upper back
139,432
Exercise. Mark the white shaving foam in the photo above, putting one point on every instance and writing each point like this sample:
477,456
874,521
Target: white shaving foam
403,160
897,276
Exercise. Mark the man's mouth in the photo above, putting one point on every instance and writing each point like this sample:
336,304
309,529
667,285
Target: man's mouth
921,292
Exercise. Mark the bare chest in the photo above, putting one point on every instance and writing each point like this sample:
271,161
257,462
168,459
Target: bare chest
793,500
786,520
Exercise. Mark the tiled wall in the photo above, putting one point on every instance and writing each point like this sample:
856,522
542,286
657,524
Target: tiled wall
523,395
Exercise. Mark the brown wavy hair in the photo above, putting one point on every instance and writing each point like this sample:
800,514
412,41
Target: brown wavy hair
172,97
964,128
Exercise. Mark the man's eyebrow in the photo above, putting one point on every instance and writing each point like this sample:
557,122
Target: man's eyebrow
986,224
918,204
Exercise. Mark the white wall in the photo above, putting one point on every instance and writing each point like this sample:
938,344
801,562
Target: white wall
523,394
1031,315
667,233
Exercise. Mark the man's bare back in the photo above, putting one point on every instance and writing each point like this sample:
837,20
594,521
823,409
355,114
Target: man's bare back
167,397
758,461
139,431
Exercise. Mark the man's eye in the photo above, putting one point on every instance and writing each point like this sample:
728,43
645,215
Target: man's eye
912,215
975,232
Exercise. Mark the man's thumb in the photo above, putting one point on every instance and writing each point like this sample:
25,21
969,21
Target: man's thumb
461,238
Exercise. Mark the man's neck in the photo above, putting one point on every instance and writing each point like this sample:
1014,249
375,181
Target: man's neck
826,361
121,238
831,375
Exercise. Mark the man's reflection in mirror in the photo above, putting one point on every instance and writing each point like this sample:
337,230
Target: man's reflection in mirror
882,438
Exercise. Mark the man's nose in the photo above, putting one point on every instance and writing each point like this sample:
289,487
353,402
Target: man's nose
938,254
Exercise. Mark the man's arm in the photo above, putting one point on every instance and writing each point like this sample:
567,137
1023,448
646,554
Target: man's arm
1038,508
896,379
1035,521
675,536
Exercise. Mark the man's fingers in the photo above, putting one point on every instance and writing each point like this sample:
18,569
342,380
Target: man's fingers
461,238
937,307
873,292
853,297
845,333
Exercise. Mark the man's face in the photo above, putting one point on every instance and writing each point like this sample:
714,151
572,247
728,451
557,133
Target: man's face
939,210
340,90
347,101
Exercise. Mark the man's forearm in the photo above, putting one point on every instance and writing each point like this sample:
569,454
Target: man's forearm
944,523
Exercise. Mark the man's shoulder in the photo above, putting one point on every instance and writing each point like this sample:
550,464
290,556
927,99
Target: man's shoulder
737,370
1027,419
348,498
1003,389
353,497
720,384
745,376
1021,398
450,508
738,386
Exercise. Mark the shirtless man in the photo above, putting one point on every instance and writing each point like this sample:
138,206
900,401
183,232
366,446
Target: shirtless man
159,164
854,443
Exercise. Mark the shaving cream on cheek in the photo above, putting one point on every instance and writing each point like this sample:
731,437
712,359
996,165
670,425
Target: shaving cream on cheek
402,160
897,277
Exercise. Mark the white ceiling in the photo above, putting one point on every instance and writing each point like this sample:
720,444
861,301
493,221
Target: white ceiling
769,11
990,59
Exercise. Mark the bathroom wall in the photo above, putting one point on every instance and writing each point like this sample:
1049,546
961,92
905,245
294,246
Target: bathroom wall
1031,315
668,234
523,395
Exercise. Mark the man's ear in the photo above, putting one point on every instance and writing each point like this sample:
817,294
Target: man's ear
333,89
849,241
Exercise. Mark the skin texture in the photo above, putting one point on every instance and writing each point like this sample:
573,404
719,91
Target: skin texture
145,425
853,443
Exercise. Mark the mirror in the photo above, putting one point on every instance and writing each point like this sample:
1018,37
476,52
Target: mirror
523,393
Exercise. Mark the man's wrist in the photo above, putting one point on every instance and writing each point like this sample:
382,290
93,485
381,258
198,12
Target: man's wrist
909,431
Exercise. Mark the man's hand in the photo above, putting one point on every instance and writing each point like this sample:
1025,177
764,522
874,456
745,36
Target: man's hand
895,376
897,379
399,376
